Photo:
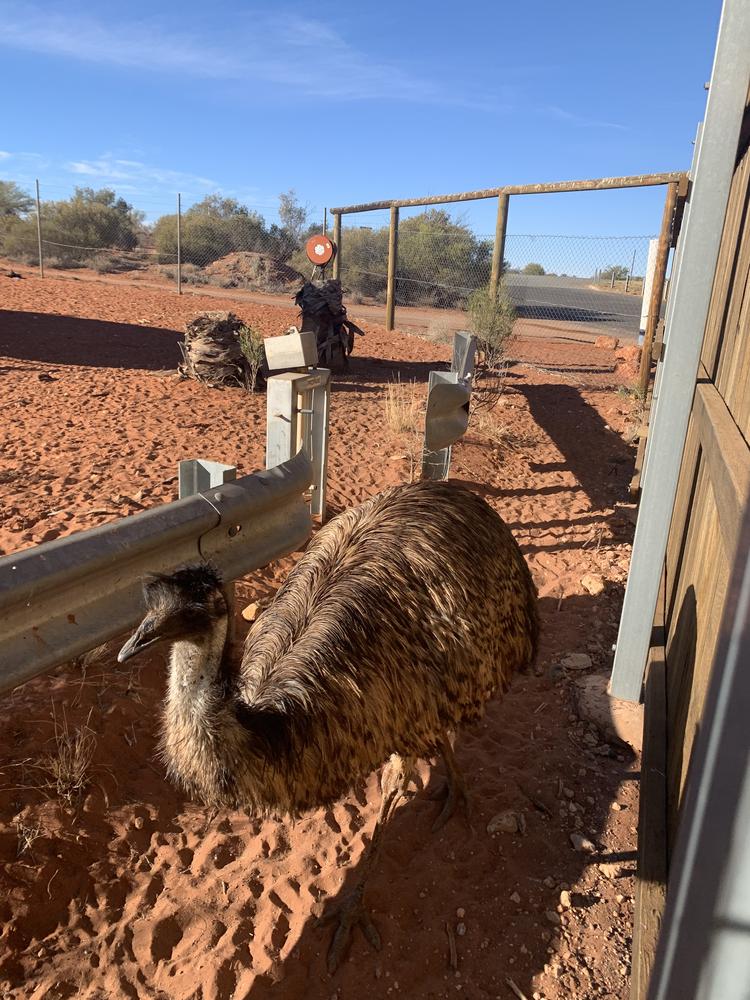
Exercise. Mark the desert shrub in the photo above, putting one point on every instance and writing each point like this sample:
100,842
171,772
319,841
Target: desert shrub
533,268
104,263
492,318
251,344
215,227
439,261
617,271
14,201
75,229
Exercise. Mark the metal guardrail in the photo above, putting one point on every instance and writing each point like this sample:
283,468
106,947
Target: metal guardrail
62,598
447,416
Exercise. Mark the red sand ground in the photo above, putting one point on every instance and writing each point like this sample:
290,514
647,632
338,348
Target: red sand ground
129,890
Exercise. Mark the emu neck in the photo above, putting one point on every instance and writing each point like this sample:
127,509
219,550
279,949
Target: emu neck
198,665
195,665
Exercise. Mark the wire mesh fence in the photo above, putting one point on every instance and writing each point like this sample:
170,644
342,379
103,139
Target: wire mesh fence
596,281
221,242
591,280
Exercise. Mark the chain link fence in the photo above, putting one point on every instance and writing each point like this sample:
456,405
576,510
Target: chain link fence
595,281
221,242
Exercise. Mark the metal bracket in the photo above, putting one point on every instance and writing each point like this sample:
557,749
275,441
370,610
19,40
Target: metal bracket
297,405
196,475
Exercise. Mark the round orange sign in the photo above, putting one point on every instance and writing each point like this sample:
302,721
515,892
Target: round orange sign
320,250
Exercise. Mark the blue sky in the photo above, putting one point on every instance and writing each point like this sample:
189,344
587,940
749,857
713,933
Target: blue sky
357,102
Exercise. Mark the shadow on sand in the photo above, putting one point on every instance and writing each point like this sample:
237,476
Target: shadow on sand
69,340
518,758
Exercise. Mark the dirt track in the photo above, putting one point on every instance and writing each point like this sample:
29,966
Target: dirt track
131,891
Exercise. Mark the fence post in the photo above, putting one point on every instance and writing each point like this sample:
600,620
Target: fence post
657,291
39,229
179,244
498,250
630,274
390,302
337,241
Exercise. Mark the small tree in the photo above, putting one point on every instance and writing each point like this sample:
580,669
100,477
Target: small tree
617,271
292,215
14,202
533,269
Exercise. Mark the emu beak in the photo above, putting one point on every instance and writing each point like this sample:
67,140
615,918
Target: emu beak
141,639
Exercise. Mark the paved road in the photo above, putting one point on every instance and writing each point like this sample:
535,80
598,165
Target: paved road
573,300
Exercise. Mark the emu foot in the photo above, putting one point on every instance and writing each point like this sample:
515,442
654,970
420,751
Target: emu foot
349,912
453,791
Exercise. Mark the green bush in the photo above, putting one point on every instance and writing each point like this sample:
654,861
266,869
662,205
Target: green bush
492,318
439,261
74,230
251,345
14,202
533,269
217,226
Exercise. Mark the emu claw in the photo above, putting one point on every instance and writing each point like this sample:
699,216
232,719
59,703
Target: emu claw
454,794
350,912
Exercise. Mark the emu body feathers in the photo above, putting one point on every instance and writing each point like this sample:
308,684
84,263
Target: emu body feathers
403,617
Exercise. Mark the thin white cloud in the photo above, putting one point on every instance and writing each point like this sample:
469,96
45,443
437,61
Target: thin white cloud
267,50
4,155
580,121
110,168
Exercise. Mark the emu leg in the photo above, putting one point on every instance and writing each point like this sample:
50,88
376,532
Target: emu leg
454,789
351,911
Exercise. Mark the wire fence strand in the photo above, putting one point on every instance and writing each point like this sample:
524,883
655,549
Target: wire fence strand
592,280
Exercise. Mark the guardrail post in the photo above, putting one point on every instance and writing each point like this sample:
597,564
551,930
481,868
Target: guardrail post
197,475
498,249
337,241
390,302
297,419
448,399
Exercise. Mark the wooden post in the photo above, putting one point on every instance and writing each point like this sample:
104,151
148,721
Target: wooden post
498,249
179,245
390,302
657,291
337,241
39,230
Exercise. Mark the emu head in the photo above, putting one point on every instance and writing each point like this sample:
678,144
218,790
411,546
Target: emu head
185,604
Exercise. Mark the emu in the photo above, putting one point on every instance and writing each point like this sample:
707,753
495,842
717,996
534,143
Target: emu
403,617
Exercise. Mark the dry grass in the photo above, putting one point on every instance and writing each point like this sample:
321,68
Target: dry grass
68,767
92,657
26,836
402,407
438,332
637,413
404,415
501,435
